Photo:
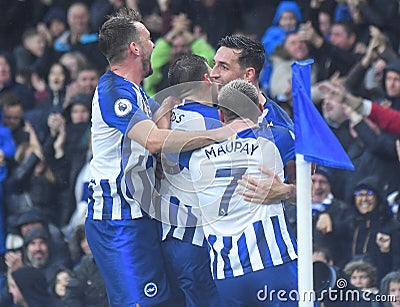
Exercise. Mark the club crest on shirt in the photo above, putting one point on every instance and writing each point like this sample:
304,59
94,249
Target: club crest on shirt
150,289
122,107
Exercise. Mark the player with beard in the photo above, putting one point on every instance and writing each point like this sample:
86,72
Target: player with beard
124,240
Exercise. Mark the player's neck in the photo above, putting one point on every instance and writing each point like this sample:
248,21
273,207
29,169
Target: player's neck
128,72
261,98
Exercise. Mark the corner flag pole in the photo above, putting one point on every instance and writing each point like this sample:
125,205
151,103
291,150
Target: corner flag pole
304,231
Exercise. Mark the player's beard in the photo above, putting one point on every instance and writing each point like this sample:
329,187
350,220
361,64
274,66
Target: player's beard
147,69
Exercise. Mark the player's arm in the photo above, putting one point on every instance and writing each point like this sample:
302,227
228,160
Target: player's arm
147,134
270,190
162,117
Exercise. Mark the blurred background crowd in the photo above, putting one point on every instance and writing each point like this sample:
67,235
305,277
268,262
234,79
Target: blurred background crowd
49,67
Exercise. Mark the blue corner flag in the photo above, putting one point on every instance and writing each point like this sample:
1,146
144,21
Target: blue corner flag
314,139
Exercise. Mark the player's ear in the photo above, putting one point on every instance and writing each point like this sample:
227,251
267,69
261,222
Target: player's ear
207,79
133,47
221,116
250,74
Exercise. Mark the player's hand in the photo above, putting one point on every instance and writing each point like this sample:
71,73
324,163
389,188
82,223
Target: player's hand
265,191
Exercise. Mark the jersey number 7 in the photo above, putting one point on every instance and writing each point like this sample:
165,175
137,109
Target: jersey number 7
236,173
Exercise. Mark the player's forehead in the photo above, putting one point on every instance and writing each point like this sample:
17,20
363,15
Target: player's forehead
226,55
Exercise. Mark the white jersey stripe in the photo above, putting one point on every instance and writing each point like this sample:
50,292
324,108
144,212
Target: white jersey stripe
271,241
287,238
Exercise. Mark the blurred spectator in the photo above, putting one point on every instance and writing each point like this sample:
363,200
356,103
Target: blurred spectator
287,19
78,245
372,151
373,235
53,25
386,118
366,77
74,61
29,288
87,79
80,186
58,79
52,95
322,254
86,287
8,83
33,53
390,285
178,41
85,83
13,118
321,16
38,179
79,36
329,214
60,282
372,12
391,79
34,218
362,275
342,11
77,127
292,49
336,55
37,253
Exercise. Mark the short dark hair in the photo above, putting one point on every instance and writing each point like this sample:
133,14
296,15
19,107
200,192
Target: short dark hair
10,100
252,52
347,26
324,250
187,68
117,33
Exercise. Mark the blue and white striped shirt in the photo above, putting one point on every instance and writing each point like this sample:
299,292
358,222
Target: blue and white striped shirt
243,237
122,171
179,202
